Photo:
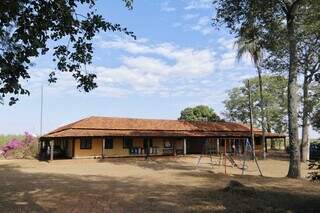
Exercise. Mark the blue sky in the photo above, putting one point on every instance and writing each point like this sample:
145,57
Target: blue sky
178,60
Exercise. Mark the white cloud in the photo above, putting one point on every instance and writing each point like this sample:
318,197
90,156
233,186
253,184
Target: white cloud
167,8
156,68
188,61
146,68
198,4
190,16
203,25
176,24
229,54
226,43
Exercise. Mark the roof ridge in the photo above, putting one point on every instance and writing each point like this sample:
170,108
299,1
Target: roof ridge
162,119
128,118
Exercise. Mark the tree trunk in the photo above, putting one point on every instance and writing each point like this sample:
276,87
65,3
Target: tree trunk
294,144
262,113
305,120
273,144
251,121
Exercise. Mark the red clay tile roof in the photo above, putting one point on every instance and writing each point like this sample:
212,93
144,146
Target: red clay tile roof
110,126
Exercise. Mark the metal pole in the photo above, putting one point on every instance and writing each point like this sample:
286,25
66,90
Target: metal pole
41,110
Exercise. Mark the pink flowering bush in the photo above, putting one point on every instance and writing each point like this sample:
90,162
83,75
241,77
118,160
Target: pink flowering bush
24,148
11,145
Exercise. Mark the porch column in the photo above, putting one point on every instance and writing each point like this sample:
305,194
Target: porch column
51,149
39,149
148,149
102,151
218,146
184,146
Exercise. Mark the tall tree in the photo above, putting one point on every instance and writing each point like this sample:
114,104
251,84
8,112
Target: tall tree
274,93
308,48
311,65
271,17
199,113
247,43
26,27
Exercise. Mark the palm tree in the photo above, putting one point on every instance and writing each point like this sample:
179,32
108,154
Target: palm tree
250,45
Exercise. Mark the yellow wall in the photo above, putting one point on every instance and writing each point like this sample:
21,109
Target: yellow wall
95,151
118,150
70,147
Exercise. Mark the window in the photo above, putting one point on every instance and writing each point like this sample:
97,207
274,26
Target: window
257,141
85,143
127,143
167,144
145,142
108,143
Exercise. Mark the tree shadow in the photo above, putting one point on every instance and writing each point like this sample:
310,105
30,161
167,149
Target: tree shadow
270,199
154,163
46,192
246,193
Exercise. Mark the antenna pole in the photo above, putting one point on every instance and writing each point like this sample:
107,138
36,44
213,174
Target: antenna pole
41,110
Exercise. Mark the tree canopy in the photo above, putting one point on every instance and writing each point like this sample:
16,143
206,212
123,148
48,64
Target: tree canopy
274,93
271,19
26,27
199,113
315,120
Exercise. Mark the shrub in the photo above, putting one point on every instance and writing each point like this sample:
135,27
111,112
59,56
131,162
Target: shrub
314,174
25,148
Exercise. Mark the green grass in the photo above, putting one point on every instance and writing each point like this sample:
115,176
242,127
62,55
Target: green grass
6,138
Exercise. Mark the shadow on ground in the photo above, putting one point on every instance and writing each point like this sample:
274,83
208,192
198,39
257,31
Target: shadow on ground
154,163
39,192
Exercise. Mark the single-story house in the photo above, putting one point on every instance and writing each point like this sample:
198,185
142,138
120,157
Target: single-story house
100,137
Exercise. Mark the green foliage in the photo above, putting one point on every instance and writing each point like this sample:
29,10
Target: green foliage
274,93
272,20
6,138
315,120
27,26
199,113
314,174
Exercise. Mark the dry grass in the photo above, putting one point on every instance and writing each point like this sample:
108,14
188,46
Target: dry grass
159,185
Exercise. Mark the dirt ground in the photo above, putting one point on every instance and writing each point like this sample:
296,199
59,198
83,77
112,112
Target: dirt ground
164,184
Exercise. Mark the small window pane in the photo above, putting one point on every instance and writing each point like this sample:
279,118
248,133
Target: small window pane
127,143
108,143
145,142
167,144
85,143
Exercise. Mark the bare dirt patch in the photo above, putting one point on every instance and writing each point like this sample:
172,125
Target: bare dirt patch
165,184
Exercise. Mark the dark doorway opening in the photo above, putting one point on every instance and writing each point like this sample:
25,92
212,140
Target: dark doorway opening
195,145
